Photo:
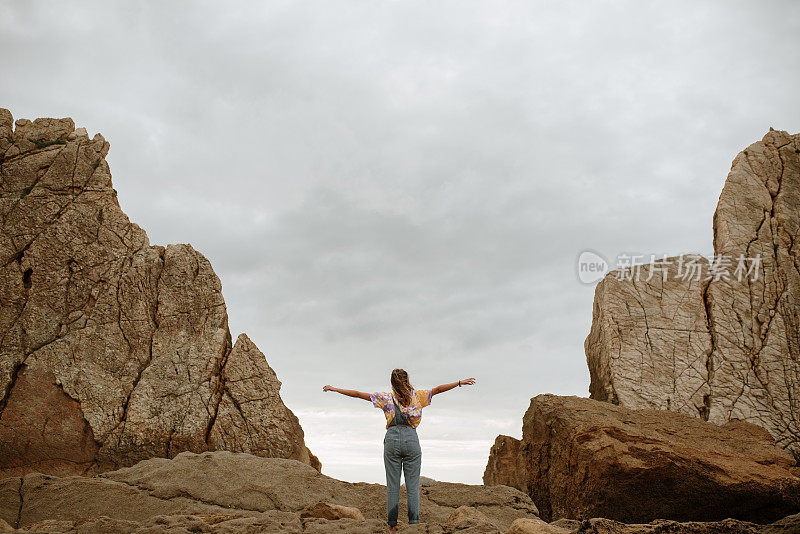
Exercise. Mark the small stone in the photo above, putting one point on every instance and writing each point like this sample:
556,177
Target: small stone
325,510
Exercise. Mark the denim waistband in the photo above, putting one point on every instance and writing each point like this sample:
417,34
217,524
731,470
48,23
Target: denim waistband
400,430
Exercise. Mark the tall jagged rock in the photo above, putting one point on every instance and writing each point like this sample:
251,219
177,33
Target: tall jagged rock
113,350
725,344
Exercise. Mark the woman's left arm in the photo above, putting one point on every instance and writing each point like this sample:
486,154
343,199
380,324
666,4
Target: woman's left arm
348,392
448,387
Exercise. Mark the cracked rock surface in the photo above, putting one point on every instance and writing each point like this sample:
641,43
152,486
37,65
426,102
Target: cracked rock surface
722,347
113,350
581,458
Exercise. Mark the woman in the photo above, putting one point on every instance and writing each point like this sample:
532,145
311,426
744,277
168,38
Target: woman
403,410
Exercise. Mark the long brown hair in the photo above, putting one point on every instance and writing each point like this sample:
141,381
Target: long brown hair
401,386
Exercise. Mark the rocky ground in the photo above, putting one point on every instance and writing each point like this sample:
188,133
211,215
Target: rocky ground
228,492
239,493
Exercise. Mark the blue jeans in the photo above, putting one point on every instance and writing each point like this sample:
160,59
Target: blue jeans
401,450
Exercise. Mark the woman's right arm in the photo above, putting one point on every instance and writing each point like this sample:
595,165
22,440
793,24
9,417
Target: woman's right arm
348,392
448,387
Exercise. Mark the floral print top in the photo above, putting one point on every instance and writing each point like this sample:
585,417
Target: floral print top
419,399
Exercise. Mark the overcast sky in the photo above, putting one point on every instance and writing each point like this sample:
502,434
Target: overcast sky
408,184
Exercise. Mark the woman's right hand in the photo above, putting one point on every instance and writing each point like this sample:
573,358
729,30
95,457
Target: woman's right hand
467,381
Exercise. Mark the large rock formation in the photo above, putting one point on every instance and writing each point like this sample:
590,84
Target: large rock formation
252,494
580,458
715,342
113,350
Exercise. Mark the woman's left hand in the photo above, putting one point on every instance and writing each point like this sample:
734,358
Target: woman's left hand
328,388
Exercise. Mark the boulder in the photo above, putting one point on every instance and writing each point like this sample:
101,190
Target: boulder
242,489
717,341
649,333
586,458
113,350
